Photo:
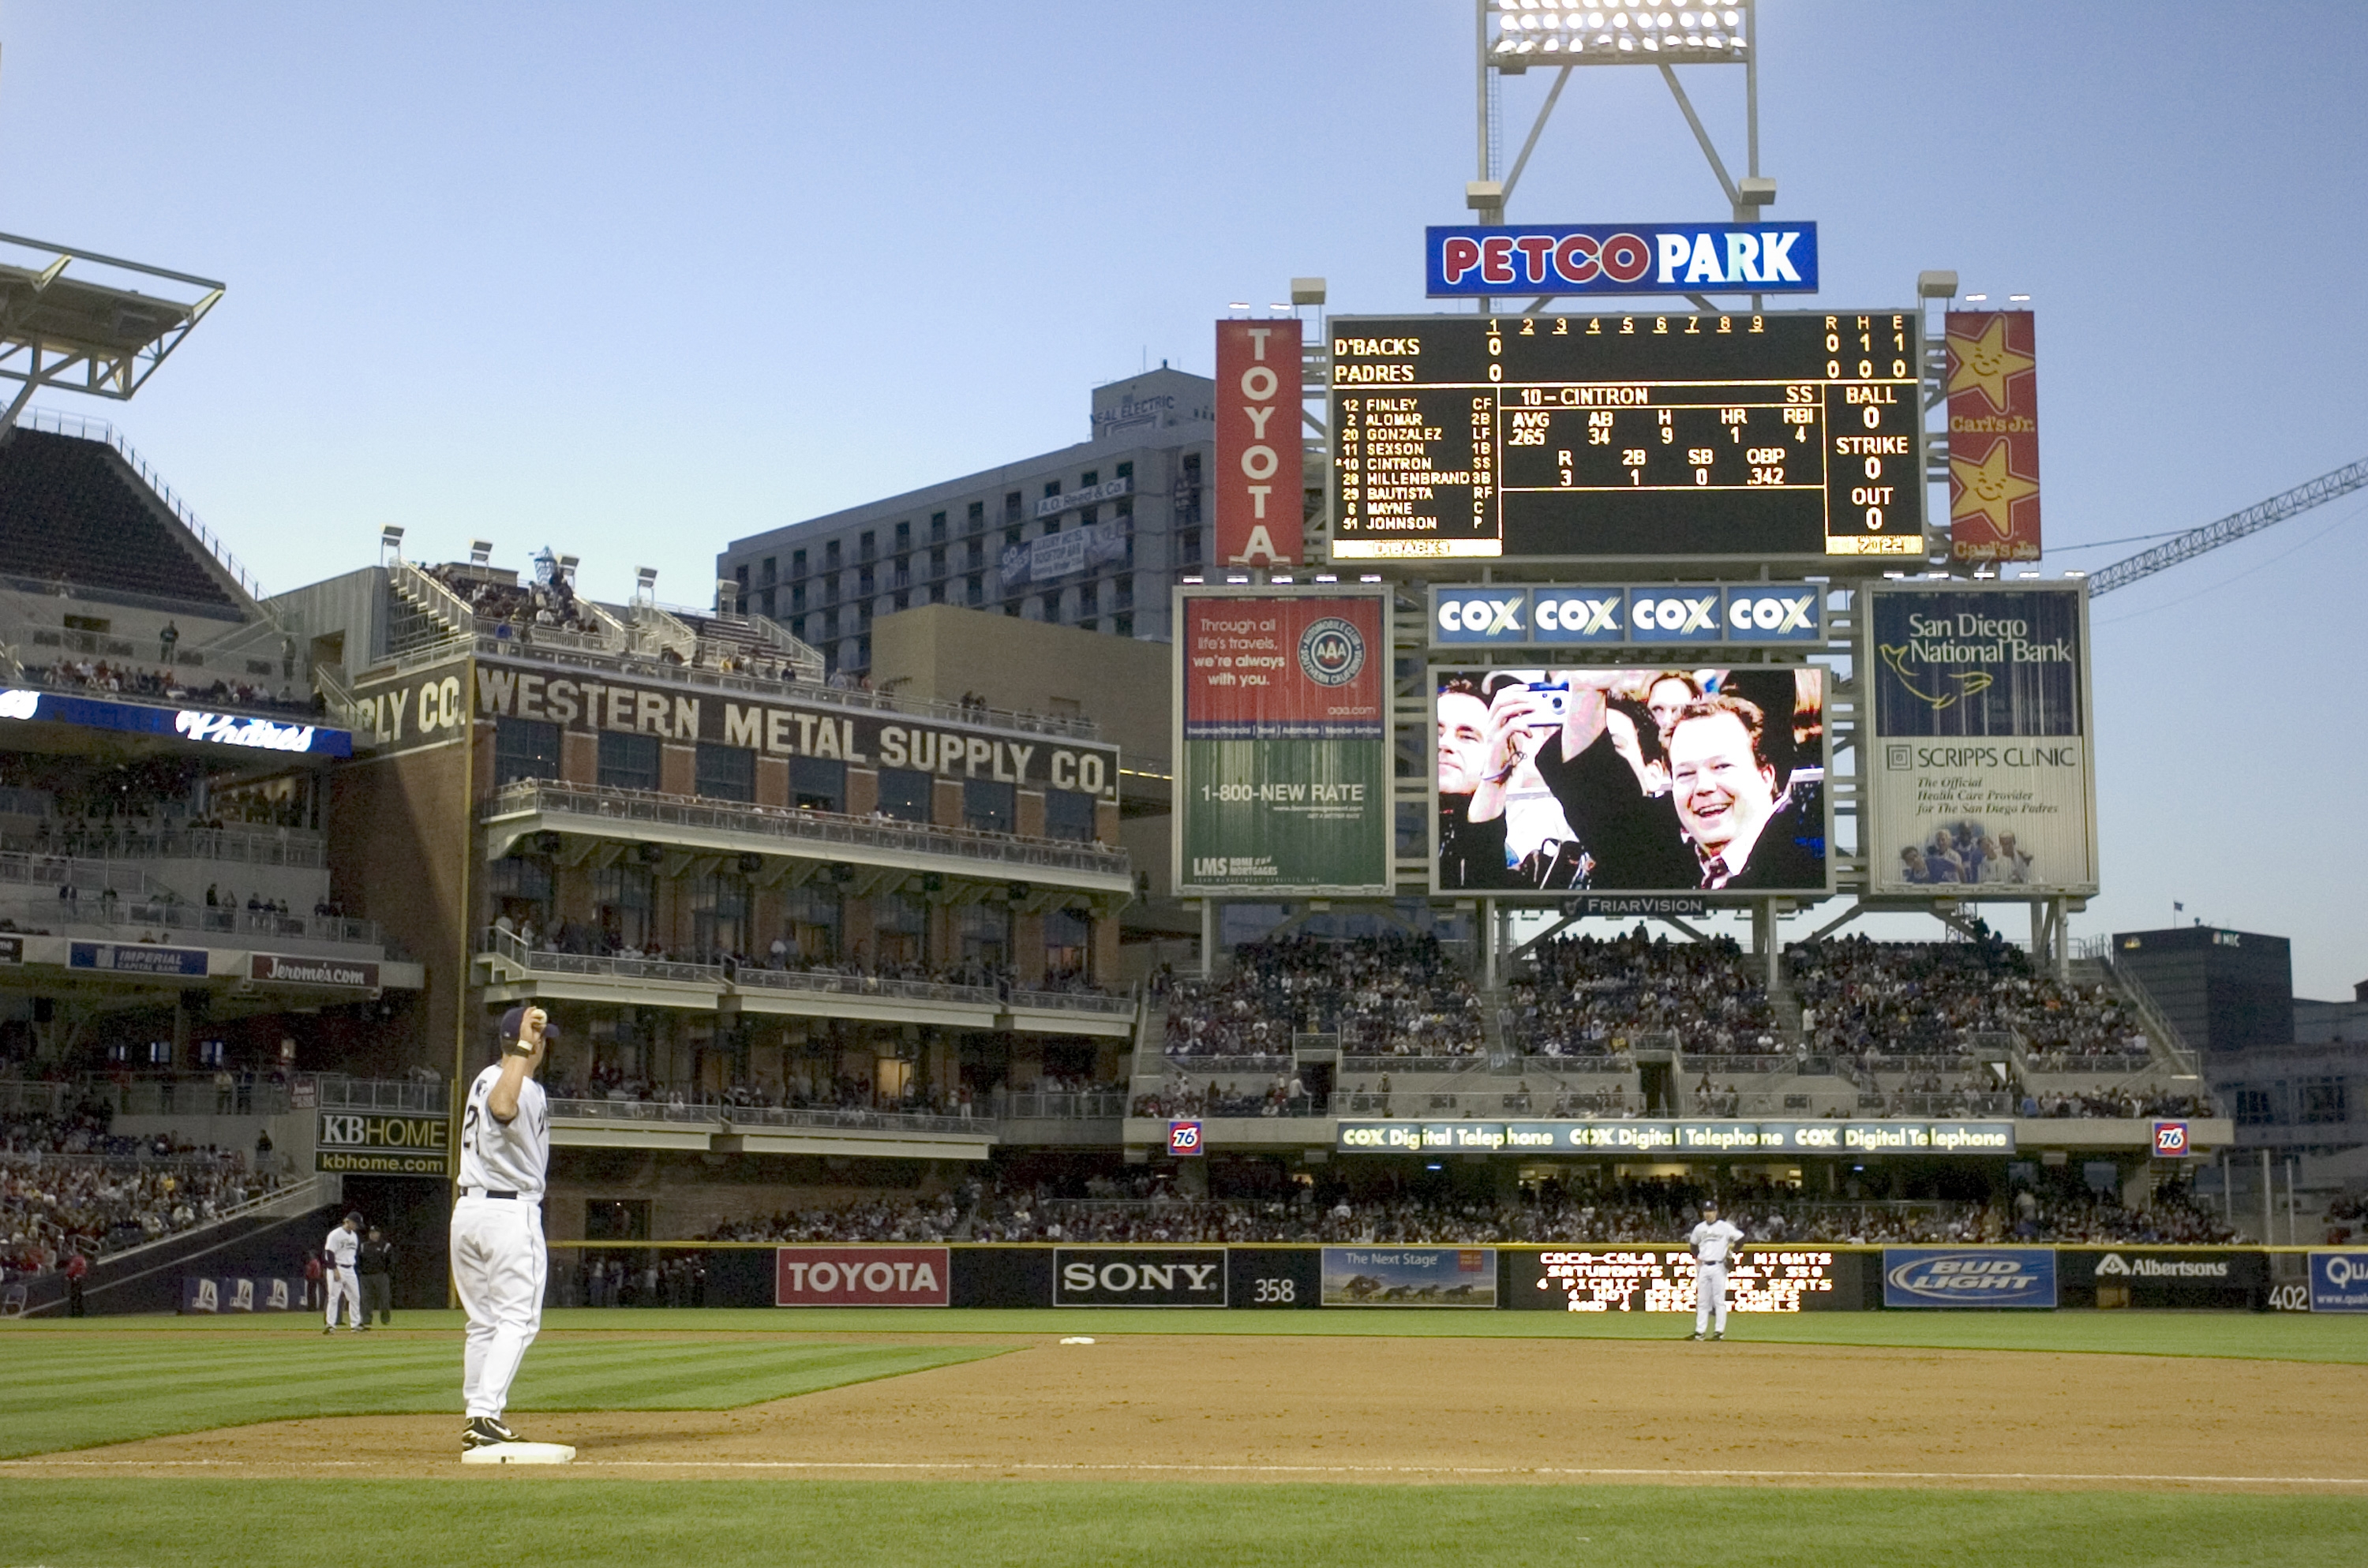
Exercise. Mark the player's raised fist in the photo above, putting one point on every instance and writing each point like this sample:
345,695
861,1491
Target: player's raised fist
531,1027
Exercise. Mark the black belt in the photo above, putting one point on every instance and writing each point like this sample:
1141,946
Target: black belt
485,1192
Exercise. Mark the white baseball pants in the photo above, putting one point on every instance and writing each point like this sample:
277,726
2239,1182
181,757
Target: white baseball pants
1710,1296
342,1284
498,1266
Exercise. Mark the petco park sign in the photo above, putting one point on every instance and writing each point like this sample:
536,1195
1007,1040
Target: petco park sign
1622,258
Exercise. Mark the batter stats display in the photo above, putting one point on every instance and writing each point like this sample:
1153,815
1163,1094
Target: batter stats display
1749,438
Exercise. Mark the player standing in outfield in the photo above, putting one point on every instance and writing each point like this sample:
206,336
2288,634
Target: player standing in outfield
337,1271
1713,1243
498,1263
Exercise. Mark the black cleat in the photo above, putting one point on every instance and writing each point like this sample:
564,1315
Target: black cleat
1721,1335
328,1331
486,1432
1696,1335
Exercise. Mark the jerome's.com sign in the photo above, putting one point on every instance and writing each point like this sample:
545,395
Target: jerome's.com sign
1139,1276
1968,1277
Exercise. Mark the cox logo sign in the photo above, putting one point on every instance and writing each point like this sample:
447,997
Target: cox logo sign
1578,615
1482,617
1183,1138
1674,615
1791,614
2169,1140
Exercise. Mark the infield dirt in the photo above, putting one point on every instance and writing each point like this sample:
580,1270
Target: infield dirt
1178,1407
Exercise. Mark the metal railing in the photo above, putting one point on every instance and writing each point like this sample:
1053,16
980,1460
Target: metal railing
1198,1066
336,1091
1476,1062
635,1111
1073,1002
743,977
811,982
299,847
855,1120
804,827
1064,1104
192,917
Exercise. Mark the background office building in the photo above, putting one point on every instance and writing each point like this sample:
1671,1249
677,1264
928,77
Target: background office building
1092,536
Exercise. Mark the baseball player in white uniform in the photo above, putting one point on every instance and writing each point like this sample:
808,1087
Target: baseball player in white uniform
337,1254
498,1263
1713,1243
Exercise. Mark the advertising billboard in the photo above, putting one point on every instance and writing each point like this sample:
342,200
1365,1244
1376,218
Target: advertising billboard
1754,615
1409,1277
1993,437
2339,1281
1751,438
1661,1279
1464,261
1977,764
1261,470
1282,747
862,1277
354,1143
1635,1135
1586,777
1139,1276
1969,1276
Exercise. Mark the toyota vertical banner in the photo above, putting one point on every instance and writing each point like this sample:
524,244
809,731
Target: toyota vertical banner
1978,764
1261,499
1282,741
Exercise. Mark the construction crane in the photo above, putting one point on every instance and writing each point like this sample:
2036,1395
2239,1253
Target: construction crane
2230,529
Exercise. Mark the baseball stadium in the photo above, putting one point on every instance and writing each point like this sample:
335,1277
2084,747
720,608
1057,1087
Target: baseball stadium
1494,982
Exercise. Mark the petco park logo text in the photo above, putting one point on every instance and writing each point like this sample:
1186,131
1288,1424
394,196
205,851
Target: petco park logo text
862,1277
1620,259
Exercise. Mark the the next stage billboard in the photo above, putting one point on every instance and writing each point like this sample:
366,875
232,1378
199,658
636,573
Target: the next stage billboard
1978,767
1282,741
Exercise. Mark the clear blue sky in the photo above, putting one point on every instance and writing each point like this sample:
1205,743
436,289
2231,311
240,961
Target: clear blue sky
632,281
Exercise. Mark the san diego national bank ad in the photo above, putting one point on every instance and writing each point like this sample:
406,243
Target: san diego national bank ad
1980,768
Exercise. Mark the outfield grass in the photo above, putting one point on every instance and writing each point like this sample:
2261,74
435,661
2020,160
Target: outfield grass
74,1391
2272,1336
516,1519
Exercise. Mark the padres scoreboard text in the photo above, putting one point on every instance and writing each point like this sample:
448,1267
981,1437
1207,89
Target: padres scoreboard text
1747,436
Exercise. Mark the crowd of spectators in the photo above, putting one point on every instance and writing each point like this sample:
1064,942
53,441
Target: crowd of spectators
606,1082
67,1185
1591,997
584,940
104,679
520,607
598,1280
1602,1210
1861,997
1394,996
1285,1095
2346,1216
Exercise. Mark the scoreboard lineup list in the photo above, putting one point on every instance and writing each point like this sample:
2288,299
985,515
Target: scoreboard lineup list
1625,436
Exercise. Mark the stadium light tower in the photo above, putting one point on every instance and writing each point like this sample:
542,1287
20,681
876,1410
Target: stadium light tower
83,334
1565,35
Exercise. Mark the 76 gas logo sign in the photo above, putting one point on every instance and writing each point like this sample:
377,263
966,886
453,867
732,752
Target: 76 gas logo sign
2169,1140
1183,1138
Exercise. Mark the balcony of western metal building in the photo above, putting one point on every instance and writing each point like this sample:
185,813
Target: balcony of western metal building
587,825
768,1130
511,972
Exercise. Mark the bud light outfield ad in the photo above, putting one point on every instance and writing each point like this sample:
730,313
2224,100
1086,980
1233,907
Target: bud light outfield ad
1979,766
1283,751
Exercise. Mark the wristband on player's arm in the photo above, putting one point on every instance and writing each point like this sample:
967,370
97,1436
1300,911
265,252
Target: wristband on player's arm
517,1047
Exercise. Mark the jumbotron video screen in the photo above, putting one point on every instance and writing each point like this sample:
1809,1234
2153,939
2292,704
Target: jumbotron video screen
1751,438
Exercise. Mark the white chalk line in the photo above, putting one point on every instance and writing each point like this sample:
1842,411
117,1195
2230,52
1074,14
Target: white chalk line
1040,1467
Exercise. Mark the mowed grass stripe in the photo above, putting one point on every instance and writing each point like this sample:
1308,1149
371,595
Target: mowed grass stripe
47,1405
523,1519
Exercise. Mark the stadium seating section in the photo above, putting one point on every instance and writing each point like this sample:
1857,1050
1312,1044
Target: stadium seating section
71,512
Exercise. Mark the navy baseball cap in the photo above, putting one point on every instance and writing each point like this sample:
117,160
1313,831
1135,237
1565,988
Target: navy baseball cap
514,1021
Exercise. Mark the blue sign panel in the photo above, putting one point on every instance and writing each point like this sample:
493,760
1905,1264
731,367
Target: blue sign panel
136,958
1758,615
2339,1281
1620,259
189,723
1969,1276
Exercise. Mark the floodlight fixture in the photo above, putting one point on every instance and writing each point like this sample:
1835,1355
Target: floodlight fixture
1755,191
1484,194
1977,298
1618,32
1936,285
390,543
567,564
1307,291
76,333
2017,299
481,552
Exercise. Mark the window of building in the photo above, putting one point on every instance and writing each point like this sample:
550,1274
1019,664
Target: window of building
1052,488
900,928
867,546
936,563
798,598
770,574
525,748
719,914
2254,1107
1069,814
1049,607
1123,625
812,919
1068,945
974,554
863,652
974,591
726,773
740,574
629,762
210,1054
1051,525
1090,597
904,794
522,889
1089,624
1088,479
1012,538
817,784
765,602
1187,547
830,555
1088,516
984,931
1126,470
938,522
903,601
1123,587
1011,506
937,593
904,536
989,806
624,900
797,564
867,583
1188,490
1012,606
2321,1100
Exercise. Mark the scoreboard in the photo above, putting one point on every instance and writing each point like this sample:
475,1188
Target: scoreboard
1747,437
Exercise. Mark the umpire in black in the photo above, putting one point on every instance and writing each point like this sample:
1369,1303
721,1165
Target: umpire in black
376,1267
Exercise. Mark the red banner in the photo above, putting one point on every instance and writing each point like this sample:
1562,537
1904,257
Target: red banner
1993,436
860,1276
1259,480
1310,668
